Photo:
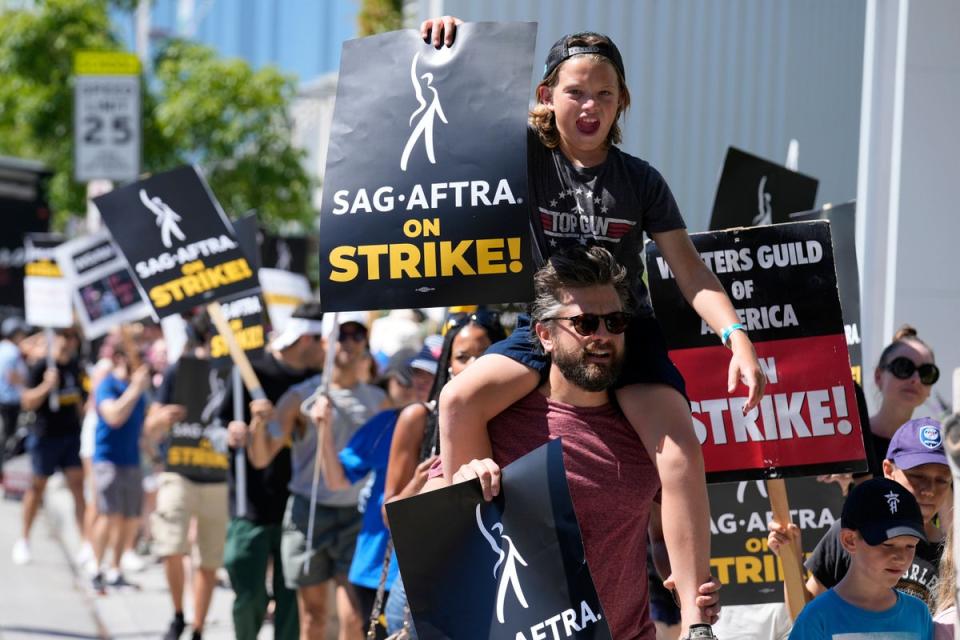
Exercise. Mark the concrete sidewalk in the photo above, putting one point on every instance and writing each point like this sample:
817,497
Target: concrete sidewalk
50,598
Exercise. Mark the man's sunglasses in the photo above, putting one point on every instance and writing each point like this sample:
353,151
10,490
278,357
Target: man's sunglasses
586,324
357,335
903,369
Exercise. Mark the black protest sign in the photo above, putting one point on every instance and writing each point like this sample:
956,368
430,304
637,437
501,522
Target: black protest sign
425,191
196,446
246,318
23,209
248,235
754,191
105,293
783,284
843,233
287,253
739,512
511,568
178,241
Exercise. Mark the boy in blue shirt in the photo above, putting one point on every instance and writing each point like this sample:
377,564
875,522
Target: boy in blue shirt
881,524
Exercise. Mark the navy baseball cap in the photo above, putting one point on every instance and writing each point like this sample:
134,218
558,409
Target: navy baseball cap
917,442
563,49
880,509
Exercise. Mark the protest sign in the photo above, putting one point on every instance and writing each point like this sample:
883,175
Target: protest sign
178,241
754,191
282,292
245,317
783,283
23,205
287,253
48,295
842,218
510,568
105,294
197,445
425,193
739,512
248,234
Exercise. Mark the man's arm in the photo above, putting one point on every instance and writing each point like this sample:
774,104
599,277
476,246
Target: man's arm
262,446
116,411
32,399
330,466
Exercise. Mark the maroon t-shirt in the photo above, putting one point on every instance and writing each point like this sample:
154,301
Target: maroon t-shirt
612,484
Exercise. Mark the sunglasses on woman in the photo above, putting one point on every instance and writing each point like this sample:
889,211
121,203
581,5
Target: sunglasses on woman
586,324
903,368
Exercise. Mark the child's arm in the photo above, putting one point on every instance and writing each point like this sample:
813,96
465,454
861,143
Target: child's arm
483,390
706,295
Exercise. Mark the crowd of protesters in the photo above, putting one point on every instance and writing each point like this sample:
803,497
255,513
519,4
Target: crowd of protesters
406,404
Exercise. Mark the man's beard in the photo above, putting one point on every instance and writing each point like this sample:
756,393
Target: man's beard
589,376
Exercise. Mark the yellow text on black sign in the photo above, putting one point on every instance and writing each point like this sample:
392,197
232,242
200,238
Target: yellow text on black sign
197,279
249,339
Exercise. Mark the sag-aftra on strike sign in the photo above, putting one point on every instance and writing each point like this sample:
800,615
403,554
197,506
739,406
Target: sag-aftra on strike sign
177,239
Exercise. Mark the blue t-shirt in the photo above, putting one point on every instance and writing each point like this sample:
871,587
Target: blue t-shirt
11,362
830,617
120,445
369,451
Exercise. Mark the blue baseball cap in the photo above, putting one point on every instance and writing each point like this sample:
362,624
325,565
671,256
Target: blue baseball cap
917,442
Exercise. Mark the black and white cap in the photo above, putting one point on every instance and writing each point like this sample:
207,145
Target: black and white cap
880,509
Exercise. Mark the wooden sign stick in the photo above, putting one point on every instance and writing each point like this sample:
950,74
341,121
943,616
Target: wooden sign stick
237,354
791,555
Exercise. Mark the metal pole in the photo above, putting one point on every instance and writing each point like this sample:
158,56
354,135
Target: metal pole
53,398
240,457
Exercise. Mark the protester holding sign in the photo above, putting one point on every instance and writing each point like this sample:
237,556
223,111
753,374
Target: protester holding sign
610,470
905,375
310,565
54,441
13,373
121,408
253,539
585,191
916,460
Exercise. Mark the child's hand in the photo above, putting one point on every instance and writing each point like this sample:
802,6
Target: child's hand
780,535
745,367
435,29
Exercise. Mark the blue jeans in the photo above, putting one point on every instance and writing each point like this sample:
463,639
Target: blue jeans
395,608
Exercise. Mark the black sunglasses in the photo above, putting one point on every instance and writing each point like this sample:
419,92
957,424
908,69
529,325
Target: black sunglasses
358,334
903,369
487,319
586,324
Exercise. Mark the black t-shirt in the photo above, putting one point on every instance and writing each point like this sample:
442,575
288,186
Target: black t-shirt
188,449
266,488
610,205
67,419
829,562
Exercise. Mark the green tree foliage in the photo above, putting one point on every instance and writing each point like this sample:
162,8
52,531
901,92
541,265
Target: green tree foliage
377,16
218,113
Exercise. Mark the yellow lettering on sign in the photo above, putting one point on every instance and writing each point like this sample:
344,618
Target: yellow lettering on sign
199,282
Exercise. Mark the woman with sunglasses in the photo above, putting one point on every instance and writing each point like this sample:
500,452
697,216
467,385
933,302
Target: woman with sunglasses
905,375
414,445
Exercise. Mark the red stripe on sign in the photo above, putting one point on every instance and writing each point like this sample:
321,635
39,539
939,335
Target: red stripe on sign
808,415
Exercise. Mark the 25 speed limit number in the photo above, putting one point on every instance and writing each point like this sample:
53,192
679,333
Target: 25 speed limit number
107,128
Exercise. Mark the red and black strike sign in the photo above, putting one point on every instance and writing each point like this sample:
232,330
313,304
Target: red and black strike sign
783,284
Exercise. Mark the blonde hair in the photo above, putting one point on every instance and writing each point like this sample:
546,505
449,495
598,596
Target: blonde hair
542,119
947,575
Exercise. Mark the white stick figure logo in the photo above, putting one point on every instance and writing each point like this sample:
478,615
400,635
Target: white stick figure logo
218,390
427,115
509,559
167,218
284,255
764,209
892,501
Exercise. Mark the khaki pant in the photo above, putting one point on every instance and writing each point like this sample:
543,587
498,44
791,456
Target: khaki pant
179,500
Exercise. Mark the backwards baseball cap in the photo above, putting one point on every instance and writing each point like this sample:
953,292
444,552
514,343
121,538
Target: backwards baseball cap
563,49
917,442
344,317
880,509
305,321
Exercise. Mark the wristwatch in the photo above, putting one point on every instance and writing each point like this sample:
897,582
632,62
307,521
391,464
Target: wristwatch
700,631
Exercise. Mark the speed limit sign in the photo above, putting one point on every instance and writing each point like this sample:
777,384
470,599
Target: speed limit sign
106,120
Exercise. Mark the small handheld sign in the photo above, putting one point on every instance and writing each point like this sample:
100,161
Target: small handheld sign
47,294
434,212
176,237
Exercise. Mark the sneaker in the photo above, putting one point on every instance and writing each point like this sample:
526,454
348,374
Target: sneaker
116,580
21,552
197,635
97,585
85,555
132,562
177,625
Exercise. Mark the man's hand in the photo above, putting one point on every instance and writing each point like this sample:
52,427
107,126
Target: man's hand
781,535
140,379
487,471
261,411
435,30
51,377
322,411
168,415
708,598
237,434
